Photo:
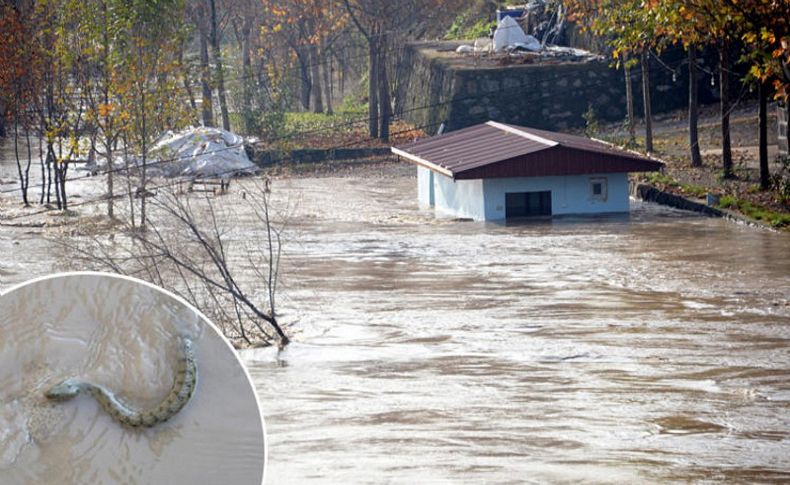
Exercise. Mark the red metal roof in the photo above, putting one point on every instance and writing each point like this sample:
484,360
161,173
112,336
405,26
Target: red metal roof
493,150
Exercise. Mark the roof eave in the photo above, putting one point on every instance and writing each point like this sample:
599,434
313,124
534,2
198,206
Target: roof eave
422,162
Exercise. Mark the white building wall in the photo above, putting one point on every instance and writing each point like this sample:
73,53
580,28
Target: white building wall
569,194
483,200
459,198
425,193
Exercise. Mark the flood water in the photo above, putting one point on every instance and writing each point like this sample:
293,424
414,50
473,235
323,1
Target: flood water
653,347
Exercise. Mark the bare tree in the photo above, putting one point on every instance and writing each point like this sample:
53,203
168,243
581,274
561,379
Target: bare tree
193,248
385,25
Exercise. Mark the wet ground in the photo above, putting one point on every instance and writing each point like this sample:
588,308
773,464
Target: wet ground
651,347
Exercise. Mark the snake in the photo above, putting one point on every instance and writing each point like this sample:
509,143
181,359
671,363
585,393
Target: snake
183,387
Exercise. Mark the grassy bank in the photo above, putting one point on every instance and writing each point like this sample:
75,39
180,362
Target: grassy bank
742,193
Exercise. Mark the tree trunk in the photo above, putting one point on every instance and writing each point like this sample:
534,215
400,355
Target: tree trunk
724,81
696,157
327,77
188,89
43,163
29,162
144,154
129,191
110,181
646,101
184,76
108,141
205,83
385,107
342,80
56,171
22,181
629,102
247,82
2,120
762,93
315,74
223,105
50,162
63,168
373,97
304,76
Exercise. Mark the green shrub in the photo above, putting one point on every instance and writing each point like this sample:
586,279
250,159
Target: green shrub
461,30
695,190
271,124
481,28
728,202
352,105
592,125
756,212
658,178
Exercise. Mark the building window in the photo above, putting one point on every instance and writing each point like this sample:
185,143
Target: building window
598,188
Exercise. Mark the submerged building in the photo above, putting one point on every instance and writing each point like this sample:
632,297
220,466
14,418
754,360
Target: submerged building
495,171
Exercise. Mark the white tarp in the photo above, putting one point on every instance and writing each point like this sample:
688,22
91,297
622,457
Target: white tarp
200,152
532,44
508,33
481,45
570,51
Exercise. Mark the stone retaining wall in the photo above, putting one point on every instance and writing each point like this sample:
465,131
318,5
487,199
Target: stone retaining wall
783,113
435,87
652,194
265,158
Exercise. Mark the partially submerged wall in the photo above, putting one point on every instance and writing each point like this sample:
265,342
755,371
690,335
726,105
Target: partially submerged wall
459,198
437,86
485,199
569,194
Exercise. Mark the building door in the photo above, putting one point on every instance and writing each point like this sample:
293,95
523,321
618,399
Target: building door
527,204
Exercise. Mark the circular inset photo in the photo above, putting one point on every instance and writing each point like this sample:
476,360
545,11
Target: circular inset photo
108,379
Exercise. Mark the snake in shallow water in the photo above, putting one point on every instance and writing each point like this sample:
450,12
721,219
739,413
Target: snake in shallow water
177,398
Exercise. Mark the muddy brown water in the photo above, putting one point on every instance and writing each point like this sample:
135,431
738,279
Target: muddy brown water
616,349
645,348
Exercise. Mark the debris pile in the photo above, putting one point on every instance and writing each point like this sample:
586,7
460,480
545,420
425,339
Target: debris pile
509,43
